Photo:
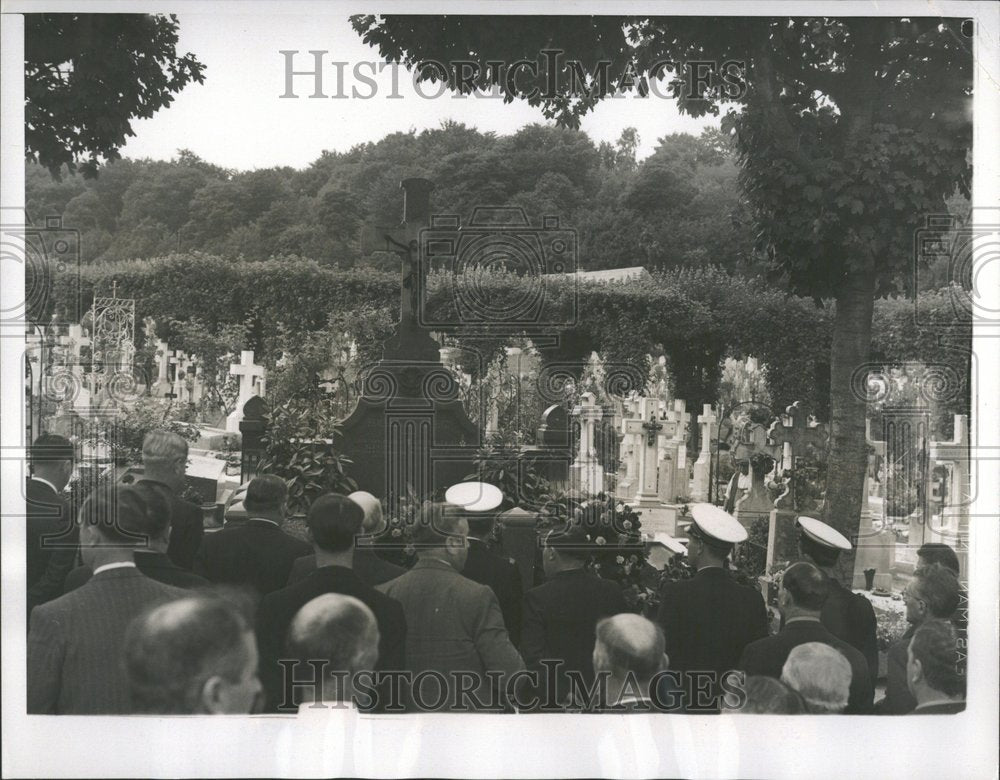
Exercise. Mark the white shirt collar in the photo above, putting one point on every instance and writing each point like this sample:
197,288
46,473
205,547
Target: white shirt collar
110,566
45,481
263,520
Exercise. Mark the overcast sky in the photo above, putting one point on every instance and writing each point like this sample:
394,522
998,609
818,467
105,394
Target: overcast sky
236,119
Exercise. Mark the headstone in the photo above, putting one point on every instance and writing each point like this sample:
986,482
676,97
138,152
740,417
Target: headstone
247,371
409,434
253,426
551,456
682,420
656,516
587,473
702,472
629,459
796,434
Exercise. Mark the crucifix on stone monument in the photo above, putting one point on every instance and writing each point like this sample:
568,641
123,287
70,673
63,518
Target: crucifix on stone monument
403,240
409,342
650,429
795,433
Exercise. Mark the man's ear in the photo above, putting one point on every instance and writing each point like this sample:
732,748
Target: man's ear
916,671
211,695
665,662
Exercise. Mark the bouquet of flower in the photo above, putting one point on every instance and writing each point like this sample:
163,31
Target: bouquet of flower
614,530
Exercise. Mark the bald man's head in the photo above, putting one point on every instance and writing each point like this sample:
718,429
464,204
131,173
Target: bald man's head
337,629
629,643
194,655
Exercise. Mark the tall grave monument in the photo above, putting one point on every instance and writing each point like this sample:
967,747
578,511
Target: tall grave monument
409,433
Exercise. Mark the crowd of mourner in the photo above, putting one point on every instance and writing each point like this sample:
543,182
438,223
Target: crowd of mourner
134,607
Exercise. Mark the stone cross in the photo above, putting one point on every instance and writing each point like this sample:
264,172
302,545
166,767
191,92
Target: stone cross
197,381
163,360
586,473
702,472
682,420
402,239
648,430
247,371
180,377
795,432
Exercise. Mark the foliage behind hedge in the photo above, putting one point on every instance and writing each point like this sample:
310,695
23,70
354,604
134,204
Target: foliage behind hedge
695,317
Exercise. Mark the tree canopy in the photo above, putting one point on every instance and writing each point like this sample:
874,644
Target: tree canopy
849,131
87,76
145,208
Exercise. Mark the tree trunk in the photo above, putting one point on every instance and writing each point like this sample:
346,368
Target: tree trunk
848,455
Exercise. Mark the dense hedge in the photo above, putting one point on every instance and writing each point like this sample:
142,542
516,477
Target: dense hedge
694,317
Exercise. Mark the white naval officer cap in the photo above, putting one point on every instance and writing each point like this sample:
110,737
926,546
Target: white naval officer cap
823,534
474,496
715,524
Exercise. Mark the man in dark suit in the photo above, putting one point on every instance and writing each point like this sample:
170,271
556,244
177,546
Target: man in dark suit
501,574
804,590
194,656
932,594
75,645
453,625
560,616
164,462
52,537
847,615
629,651
935,670
256,553
151,560
334,524
370,567
709,619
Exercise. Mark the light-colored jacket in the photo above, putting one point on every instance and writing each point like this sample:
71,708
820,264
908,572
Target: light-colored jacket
453,625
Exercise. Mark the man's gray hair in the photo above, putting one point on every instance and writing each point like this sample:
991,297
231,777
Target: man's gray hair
630,643
161,448
337,629
821,674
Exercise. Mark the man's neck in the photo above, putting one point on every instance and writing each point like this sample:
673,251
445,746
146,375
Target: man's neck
51,480
164,478
926,696
327,558
800,615
564,566
269,517
107,558
432,557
